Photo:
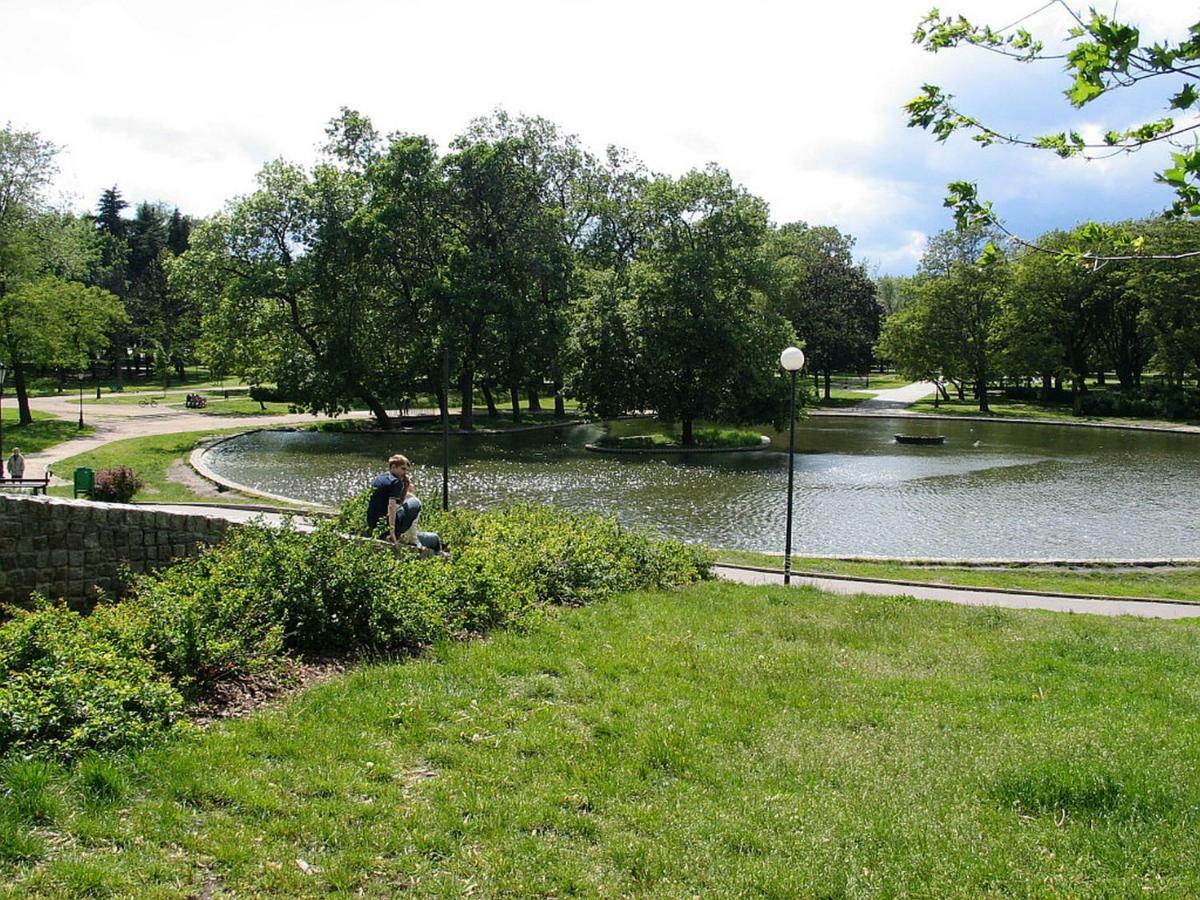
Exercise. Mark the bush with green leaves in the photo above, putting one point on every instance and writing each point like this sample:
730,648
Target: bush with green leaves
72,682
122,675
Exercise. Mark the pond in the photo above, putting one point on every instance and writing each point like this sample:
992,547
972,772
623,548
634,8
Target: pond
994,489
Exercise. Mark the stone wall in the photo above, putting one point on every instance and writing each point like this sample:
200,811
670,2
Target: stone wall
73,548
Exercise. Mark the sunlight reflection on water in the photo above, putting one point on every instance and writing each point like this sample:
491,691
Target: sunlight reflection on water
993,490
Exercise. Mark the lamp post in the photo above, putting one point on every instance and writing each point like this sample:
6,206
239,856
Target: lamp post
445,427
3,372
792,360
81,377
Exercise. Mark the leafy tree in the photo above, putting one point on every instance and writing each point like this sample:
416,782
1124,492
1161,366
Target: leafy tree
273,268
1055,314
829,299
707,341
27,165
505,256
1104,56
952,329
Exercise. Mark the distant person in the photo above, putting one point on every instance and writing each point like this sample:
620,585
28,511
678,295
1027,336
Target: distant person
16,465
393,500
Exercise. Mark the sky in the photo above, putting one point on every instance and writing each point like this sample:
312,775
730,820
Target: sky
183,103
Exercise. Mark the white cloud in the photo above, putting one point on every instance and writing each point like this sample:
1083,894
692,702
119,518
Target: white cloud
183,103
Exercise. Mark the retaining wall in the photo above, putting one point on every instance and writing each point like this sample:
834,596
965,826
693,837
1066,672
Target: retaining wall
75,548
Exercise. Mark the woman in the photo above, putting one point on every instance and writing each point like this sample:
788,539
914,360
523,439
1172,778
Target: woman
16,465
392,496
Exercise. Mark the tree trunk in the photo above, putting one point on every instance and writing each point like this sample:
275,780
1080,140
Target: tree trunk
1058,382
466,418
560,406
25,416
1076,395
1100,377
376,407
490,399
535,402
981,390
689,439
1047,388
443,401
514,394
827,394
958,385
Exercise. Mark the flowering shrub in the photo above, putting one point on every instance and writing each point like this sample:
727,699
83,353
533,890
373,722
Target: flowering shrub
116,485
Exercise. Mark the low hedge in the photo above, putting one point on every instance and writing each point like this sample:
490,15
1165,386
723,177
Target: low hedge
124,674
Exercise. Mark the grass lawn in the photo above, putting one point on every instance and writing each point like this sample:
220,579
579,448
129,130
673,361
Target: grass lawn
873,382
44,431
1167,584
1002,408
150,457
722,741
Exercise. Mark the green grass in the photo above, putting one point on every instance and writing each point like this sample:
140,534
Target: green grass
195,379
873,382
43,432
150,457
705,438
1003,408
1177,583
724,741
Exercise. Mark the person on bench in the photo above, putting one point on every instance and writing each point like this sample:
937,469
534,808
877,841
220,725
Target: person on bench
393,500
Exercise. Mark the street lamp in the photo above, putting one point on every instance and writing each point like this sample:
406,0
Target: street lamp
3,372
81,376
446,427
792,360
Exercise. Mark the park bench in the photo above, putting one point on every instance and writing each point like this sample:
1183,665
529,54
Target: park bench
36,485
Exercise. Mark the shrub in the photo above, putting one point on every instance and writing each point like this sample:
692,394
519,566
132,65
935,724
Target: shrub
120,676
72,682
264,394
117,485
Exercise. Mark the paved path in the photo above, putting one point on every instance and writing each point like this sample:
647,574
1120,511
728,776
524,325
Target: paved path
972,597
896,399
117,421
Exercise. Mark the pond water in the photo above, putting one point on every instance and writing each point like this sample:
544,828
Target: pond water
992,490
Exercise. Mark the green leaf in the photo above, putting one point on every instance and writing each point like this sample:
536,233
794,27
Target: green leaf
1185,98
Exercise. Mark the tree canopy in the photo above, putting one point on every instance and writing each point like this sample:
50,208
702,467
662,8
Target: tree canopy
1104,55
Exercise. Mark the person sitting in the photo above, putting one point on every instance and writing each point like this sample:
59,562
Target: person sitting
393,500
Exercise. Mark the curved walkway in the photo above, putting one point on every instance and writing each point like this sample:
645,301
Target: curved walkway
896,402
1151,609
115,422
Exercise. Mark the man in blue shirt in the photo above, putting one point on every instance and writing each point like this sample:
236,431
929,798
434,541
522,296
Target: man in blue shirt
392,497
388,493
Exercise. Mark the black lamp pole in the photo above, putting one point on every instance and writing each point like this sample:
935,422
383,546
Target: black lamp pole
787,553
792,360
445,427
80,399
3,372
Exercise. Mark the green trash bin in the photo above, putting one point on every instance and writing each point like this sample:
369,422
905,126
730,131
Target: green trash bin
85,481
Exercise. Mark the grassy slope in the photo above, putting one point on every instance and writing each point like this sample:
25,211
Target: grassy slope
44,431
722,741
150,457
1173,584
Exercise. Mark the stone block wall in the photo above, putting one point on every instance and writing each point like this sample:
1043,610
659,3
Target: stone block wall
74,548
